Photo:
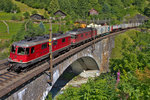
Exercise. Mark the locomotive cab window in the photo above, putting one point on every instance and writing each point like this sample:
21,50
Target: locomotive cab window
63,40
21,51
44,46
32,50
13,49
81,35
76,36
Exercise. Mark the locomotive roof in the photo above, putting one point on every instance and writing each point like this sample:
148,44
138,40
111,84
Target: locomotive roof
39,40
80,30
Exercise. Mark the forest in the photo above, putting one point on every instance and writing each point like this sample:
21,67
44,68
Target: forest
80,8
114,9
8,6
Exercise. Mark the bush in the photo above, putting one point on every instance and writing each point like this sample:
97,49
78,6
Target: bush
132,88
34,12
13,17
26,15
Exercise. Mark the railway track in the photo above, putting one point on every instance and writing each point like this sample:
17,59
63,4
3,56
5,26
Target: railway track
7,76
3,64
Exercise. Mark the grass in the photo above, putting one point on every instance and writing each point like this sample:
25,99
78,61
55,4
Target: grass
13,29
23,7
8,16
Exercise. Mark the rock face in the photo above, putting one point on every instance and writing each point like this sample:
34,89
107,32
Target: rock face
93,57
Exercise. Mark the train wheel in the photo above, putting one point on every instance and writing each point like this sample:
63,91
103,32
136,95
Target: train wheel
9,69
17,69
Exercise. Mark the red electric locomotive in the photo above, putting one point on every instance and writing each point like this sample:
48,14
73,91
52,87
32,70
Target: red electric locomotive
29,51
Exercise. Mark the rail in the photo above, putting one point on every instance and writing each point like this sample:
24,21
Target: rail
3,64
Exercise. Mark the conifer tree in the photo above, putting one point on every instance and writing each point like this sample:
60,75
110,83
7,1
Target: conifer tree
54,6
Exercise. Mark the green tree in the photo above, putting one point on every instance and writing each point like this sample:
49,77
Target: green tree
26,15
8,6
147,11
130,87
95,4
30,31
101,88
41,28
46,15
53,6
82,8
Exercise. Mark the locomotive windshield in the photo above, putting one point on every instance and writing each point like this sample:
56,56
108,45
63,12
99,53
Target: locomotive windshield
13,49
23,51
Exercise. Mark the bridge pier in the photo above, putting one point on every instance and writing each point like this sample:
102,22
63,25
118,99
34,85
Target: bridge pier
38,88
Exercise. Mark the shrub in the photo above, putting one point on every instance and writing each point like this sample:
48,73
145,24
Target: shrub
26,15
13,17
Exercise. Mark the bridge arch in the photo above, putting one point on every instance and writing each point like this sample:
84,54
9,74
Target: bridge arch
84,63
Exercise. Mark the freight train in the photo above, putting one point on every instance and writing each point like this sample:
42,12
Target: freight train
29,51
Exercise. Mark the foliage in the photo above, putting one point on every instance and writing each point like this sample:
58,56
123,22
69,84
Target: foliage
130,87
100,88
134,66
26,15
4,48
8,16
14,17
28,30
4,55
46,15
8,6
114,9
23,7
135,54
49,97
147,10
104,88
34,12
53,6
146,25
